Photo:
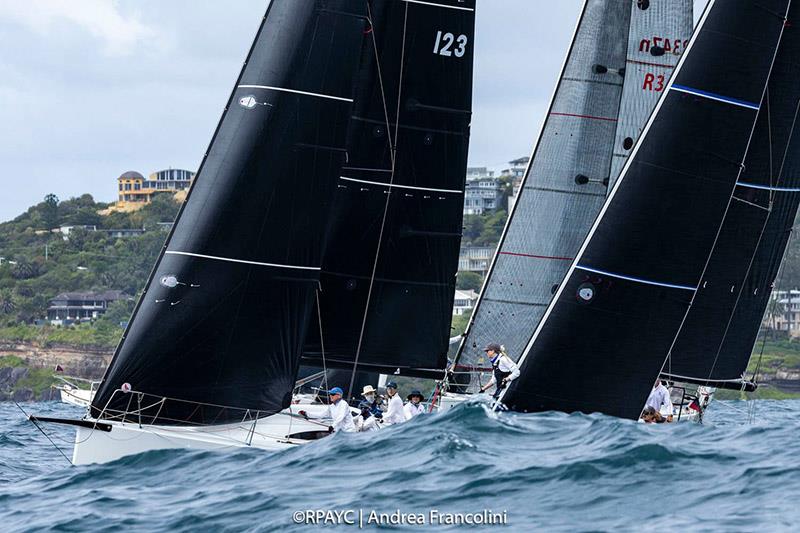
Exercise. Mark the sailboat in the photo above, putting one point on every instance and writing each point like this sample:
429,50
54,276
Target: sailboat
715,343
627,295
345,137
620,61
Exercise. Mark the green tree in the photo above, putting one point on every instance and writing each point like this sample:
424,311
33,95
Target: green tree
7,303
50,211
459,324
469,281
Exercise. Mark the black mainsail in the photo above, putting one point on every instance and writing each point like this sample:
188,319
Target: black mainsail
388,276
717,339
225,312
605,336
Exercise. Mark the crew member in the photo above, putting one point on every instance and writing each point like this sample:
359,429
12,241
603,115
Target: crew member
371,401
394,414
414,406
660,396
504,370
338,411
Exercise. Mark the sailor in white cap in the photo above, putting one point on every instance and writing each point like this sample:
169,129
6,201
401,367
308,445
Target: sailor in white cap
504,370
338,411
394,414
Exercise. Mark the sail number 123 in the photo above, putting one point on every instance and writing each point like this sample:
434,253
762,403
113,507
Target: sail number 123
444,45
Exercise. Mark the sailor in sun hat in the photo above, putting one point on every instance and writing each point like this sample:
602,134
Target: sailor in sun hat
394,414
371,401
504,370
414,406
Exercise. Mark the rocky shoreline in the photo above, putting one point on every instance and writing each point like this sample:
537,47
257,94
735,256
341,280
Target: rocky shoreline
27,374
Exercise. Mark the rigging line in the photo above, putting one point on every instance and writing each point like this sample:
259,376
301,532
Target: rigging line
43,433
668,357
393,146
322,341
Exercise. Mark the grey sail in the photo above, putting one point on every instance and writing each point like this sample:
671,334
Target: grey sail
566,182
659,33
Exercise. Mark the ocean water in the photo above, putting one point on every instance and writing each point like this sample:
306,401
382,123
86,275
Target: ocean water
547,472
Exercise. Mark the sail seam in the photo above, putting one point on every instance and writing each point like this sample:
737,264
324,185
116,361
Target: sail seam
715,97
393,185
590,117
243,261
459,8
637,280
295,91
564,191
533,256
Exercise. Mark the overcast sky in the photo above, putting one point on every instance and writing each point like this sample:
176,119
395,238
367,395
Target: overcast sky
92,88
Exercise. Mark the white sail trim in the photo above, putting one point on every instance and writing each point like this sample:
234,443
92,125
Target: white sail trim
295,91
637,280
766,187
439,5
231,260
395,185
715,97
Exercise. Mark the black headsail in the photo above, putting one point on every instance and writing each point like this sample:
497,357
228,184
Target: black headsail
606,334
389,271
717,339
226,309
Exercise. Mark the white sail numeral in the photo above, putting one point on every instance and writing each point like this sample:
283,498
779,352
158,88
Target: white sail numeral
444,45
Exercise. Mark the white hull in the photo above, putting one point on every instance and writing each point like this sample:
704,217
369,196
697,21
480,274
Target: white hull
75,396
127,438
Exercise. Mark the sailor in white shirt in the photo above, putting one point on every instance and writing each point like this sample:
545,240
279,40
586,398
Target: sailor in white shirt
394,413
338,411
504,370
414,406
660,396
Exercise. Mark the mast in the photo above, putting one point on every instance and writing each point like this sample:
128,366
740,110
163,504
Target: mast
607,332
388,277
716,341
227,306
618,65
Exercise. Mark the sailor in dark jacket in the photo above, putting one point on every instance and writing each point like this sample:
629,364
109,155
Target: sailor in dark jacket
504,370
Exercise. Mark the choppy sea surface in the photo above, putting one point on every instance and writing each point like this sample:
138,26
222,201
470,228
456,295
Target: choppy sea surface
548,472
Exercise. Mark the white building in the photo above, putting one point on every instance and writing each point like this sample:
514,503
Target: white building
481,195
464,301
475,259
783,312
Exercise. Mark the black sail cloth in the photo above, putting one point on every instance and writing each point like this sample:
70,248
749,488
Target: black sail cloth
391,260
717,339
226,309
606,334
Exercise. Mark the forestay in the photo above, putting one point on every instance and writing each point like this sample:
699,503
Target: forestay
607,332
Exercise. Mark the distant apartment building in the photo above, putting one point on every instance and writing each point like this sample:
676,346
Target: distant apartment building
475,259
464,302
474,173
136,191
783,312
74,307
516,168
481,195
